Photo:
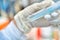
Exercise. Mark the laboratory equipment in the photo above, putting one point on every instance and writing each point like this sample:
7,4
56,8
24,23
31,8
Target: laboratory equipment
48,10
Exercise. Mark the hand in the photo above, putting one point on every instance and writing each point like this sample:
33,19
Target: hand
20,18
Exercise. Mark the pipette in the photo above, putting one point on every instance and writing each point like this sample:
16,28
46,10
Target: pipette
40,13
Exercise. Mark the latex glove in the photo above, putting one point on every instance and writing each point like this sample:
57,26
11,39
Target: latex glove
21,21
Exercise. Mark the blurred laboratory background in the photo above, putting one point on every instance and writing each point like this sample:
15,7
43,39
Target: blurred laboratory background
9,8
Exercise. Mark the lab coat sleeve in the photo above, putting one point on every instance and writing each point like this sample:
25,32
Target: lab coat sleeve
11,32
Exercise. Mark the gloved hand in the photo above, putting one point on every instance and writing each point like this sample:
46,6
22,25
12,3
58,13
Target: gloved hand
24,24
21,18
13,32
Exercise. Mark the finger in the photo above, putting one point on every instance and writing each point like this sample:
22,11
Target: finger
34,8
